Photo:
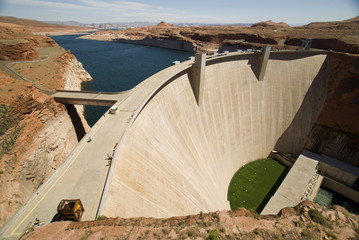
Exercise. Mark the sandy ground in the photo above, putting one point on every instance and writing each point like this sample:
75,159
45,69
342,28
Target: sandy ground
44,73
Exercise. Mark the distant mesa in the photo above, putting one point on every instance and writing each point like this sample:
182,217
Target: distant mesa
354,19
269,23
163,24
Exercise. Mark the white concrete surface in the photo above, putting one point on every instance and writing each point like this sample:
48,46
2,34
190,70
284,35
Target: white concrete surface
293,187
177,158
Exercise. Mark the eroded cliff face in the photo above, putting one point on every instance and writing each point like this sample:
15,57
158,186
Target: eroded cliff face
37,136
339,36
36,133
73,75
17,44
336,131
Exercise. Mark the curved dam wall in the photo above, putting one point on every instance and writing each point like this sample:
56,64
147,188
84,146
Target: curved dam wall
178,157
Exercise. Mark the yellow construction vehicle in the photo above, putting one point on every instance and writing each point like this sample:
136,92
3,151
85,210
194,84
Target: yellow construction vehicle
70,209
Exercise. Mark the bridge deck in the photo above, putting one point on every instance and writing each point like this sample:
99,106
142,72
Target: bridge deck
89,98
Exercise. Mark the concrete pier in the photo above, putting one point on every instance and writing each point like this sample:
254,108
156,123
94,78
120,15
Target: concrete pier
301,183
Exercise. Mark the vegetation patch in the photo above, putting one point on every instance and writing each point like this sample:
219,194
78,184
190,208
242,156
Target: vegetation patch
253,185
101,217
6,121
8,140
9,130
213,235
306,233
317,217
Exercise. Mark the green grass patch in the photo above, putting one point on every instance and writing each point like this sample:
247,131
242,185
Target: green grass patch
253,185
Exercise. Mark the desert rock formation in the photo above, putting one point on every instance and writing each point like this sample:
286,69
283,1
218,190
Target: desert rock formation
336,132
41,28
269,23
37,134
18,44
340,36
165,25
290,223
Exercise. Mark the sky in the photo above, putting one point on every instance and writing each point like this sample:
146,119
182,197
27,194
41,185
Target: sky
182,11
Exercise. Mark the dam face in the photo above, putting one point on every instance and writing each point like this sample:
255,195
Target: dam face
178,157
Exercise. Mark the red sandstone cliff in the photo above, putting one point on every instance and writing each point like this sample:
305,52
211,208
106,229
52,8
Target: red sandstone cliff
340,36
36,133
336,132
19,44
41,28
270,24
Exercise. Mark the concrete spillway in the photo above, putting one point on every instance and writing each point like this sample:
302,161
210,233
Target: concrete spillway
177,157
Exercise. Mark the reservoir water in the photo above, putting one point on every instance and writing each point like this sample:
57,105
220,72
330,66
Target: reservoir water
116,66
326,197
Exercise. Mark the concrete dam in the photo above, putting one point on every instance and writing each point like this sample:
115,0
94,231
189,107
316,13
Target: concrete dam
178,137
183,144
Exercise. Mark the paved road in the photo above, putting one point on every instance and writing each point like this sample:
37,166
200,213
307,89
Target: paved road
83,176
45,54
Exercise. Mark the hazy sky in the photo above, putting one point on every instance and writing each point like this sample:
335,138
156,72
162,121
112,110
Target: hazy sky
185,11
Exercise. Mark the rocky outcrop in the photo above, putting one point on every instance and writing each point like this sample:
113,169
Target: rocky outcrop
336,143
271,24
74,73
165,25
334,44
42,28
306,221
37,134
337,130
180,45
19,44
340,36
36,137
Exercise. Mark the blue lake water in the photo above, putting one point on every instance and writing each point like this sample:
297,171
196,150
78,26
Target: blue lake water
116,66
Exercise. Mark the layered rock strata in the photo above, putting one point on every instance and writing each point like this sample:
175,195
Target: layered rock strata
37,134
339,36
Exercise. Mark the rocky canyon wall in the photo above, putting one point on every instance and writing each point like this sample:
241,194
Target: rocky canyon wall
37,134
336,131
181,45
